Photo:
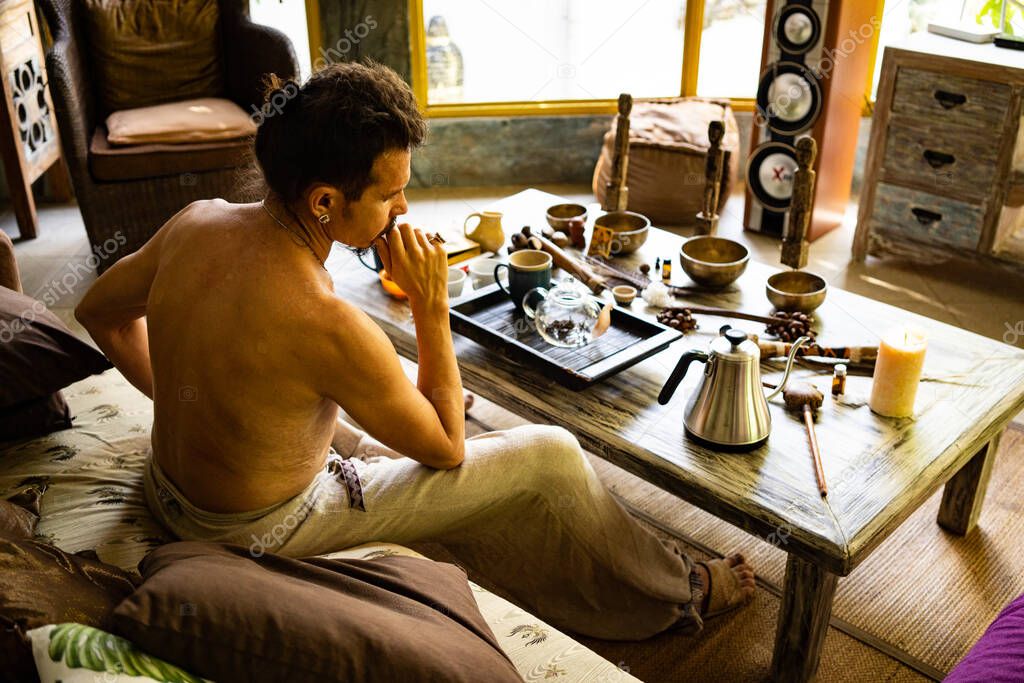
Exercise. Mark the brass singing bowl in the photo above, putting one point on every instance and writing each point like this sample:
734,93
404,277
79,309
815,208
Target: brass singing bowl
713,262
630,230
559,215
796,290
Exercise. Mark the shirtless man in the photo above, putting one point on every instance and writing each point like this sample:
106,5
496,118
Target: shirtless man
227,319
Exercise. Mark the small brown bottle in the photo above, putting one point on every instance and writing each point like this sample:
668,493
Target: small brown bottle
839,380
666,270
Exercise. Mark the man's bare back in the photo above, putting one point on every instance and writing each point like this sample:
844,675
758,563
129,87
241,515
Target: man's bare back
228,320
233,347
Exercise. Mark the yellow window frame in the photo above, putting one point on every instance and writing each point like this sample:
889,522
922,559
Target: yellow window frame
692,33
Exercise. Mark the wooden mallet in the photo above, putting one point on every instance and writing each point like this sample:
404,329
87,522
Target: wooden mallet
805,398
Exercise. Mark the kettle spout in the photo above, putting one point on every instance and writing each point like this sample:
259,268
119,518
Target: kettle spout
789,366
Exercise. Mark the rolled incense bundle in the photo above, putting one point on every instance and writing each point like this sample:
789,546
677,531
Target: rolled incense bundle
572,265
857,355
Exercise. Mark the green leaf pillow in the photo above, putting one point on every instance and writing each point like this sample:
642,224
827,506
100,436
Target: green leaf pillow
74,653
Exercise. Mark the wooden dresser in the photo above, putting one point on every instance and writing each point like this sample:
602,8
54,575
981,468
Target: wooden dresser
945,166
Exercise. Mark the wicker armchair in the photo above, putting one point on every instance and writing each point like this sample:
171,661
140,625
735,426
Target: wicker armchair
124,200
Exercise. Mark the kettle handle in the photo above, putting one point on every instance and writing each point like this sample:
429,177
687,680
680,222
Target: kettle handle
680,371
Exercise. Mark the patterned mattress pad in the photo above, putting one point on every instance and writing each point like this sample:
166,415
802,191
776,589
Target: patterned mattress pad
94,501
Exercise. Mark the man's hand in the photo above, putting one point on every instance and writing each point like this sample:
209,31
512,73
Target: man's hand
415,264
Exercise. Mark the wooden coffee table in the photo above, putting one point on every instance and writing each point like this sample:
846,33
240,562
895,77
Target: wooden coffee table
879,470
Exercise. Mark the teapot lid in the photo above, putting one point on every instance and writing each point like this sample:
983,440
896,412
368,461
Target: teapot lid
735,345
568,291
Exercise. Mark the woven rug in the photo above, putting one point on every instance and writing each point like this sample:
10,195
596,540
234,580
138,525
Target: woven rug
907,613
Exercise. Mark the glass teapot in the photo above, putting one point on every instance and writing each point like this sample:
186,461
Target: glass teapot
566,315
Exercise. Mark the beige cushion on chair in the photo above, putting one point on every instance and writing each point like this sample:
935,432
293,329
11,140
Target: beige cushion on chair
203,120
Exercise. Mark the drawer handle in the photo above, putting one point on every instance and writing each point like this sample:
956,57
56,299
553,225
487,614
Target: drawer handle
948,100
938,159
926,217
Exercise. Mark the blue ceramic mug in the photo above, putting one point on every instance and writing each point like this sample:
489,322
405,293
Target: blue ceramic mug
527,269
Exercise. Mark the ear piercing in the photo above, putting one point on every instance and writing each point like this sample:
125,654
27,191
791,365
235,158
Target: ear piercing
324,219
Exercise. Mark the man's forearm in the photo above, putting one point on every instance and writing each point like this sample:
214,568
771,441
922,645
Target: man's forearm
127,348
438,378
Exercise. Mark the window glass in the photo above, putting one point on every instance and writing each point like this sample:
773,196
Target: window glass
730,48
536,50
903,18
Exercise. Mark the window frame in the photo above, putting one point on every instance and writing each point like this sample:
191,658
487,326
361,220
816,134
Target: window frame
692,34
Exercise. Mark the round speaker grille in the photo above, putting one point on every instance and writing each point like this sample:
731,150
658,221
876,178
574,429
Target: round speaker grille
798,29
789,97
770,174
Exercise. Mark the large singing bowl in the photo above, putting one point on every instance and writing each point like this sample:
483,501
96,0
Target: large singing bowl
713,262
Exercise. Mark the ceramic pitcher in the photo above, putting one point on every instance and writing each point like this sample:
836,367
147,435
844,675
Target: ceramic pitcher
487,233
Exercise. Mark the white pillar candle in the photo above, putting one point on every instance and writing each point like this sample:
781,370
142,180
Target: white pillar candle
897,373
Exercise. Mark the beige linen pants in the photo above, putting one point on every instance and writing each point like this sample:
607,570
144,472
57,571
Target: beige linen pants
525,509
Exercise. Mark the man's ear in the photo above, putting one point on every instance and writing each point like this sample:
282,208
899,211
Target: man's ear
325,199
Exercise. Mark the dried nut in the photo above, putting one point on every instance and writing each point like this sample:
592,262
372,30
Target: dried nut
645,268
547,231
518,240
527,230
560,240
535,243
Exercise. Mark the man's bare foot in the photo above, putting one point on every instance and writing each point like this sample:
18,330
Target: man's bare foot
727,584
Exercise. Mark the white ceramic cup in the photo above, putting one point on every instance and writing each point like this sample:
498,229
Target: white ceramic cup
456,281
481,271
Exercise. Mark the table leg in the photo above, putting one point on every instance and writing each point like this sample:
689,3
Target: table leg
964,493
803,620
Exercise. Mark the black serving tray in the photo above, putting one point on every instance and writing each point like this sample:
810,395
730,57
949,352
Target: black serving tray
488,317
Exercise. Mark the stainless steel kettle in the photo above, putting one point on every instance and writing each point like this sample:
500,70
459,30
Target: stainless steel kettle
729,410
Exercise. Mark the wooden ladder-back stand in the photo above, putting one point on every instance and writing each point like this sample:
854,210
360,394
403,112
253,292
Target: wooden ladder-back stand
29,140
707,219
616,195
794,237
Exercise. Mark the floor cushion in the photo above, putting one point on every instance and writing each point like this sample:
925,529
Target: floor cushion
668,143
273,618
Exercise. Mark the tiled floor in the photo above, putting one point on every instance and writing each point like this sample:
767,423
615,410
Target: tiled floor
981,299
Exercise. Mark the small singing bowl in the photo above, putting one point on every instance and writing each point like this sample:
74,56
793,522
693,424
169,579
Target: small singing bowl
624,294
713,262
559,215
796,290
630,230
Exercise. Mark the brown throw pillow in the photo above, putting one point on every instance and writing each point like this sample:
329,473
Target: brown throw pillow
146,52
36,417
38,357
216,611
41,584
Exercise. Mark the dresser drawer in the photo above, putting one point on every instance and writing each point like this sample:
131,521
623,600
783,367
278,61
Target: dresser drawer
925,217
939,97
950,160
